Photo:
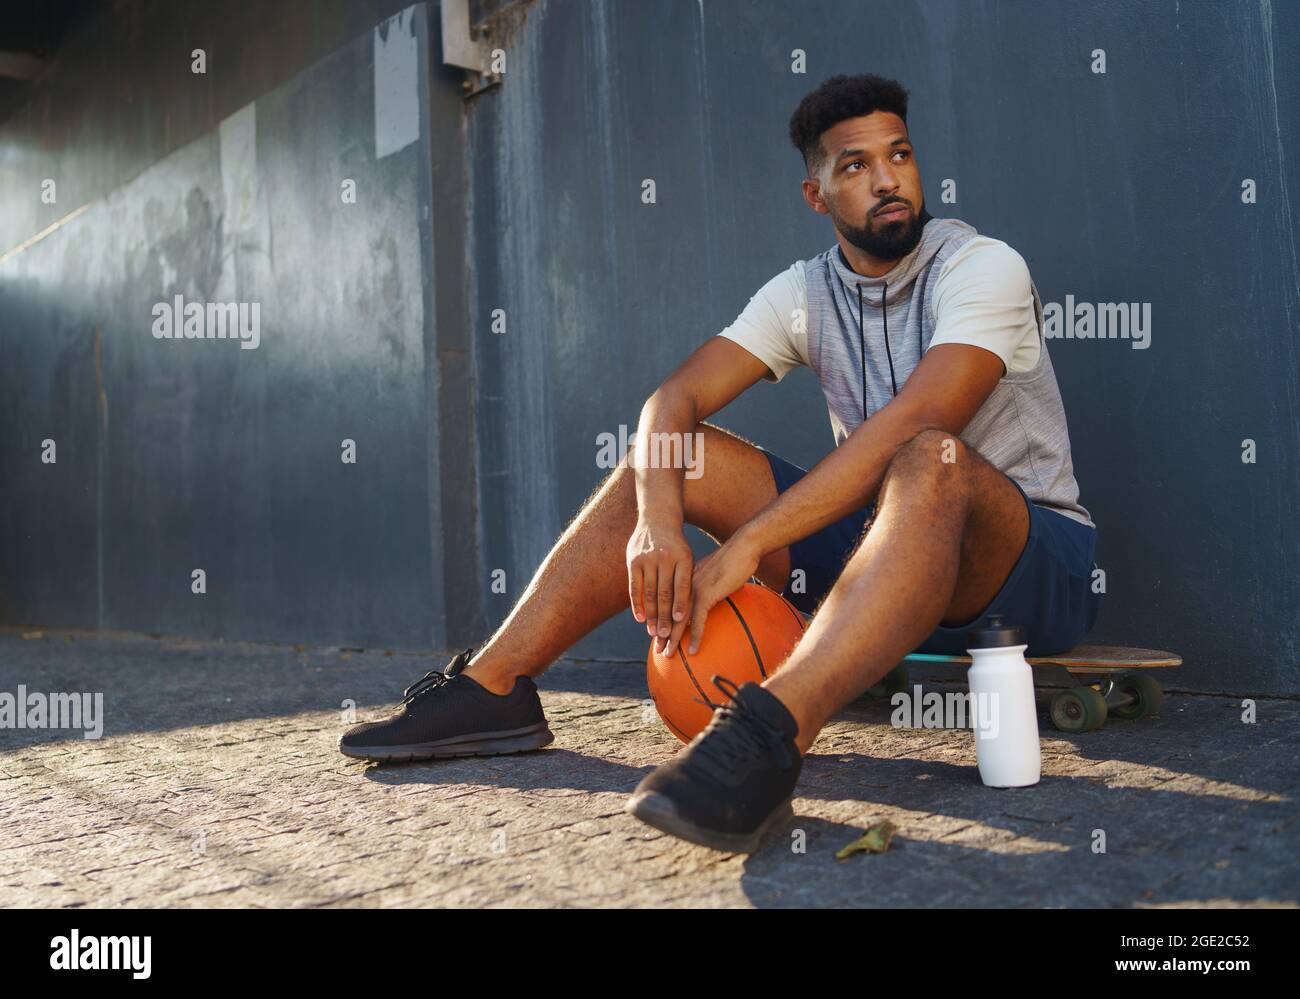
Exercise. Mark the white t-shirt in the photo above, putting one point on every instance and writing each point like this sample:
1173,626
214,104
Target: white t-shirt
982,297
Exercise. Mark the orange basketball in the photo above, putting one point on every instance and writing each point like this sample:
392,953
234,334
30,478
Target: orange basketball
746,637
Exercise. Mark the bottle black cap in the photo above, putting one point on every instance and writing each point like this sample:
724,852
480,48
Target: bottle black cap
996,634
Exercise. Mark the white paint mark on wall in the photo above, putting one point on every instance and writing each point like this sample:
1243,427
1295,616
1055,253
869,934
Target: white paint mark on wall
238,135
397,96
246,226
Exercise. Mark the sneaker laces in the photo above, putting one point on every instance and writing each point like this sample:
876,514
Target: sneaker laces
747,736
437,678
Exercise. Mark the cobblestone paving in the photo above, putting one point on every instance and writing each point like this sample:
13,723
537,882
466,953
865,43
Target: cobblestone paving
217,783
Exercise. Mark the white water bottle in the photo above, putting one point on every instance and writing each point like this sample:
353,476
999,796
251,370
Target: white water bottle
1005,715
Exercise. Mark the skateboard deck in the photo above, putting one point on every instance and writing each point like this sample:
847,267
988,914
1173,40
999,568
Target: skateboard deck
1081,659
1122,686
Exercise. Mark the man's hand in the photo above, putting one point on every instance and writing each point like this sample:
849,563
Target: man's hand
719,574
659,563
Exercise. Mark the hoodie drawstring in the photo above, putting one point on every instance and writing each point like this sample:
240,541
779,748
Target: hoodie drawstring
888,353
862,339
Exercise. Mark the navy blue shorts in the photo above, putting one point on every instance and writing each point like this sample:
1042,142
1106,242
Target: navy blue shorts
1049,592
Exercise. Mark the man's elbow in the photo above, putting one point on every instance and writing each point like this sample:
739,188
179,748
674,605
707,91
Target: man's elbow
671,396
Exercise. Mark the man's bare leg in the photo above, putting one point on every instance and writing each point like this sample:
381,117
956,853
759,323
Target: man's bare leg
583,581
944,539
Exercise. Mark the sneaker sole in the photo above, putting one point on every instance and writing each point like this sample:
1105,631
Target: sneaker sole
520,740
656,810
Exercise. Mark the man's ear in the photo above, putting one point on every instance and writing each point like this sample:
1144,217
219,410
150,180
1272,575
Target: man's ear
812,194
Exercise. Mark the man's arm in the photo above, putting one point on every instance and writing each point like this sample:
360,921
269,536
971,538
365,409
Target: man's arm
945,391
659,559
984,307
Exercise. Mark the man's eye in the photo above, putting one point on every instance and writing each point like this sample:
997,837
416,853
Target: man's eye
902,152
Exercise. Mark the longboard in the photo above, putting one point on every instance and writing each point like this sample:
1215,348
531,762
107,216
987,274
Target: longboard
1117,689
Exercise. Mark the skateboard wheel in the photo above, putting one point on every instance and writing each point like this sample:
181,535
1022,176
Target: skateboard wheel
1079,709
893,682
896,680
1146,694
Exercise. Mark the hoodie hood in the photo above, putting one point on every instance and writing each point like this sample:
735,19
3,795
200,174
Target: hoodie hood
898,281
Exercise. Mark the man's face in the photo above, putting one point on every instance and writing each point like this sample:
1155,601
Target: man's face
870,186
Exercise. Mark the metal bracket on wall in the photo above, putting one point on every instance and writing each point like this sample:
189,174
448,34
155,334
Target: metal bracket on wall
466,47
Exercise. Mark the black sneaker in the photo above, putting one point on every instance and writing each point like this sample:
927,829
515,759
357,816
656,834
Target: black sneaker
446,714
732,784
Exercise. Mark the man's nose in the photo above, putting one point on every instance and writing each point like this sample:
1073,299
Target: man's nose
885,182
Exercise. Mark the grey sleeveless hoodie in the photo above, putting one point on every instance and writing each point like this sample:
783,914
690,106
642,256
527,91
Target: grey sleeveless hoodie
1021,426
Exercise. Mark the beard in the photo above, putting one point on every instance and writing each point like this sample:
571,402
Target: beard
887,240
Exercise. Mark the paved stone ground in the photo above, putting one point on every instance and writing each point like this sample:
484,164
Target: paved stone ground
217,783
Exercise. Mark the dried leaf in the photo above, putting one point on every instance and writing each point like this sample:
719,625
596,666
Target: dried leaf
874,840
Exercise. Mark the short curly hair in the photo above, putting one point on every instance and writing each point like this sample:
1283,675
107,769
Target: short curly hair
838,98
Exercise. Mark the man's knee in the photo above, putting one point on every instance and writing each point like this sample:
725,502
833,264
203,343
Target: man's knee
932,454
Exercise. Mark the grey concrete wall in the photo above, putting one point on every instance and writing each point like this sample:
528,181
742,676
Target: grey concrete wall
1115,187
120,95
179,454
